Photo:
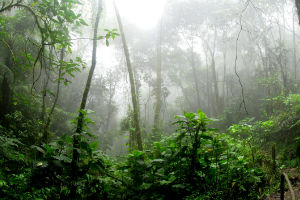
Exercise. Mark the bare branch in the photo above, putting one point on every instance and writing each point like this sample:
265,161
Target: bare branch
236,57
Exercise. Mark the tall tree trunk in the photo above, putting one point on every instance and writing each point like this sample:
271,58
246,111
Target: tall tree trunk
76,137
195,75
294,49
44,95
214,75
158,80
207,86
5,101
136,112
186,96
281,64
6,88
298,9
46,129
224,77
216,88
283,77
108,117
112,89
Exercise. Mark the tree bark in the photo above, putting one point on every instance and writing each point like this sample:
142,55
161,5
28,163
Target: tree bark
158,81
76,137
136,112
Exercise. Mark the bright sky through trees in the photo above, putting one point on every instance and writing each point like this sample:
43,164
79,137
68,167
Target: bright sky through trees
143,13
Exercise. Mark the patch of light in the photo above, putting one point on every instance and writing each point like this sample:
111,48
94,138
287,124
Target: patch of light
143,13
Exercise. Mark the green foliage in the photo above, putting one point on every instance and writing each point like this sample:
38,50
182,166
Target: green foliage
55,169
221,169
109,34
25,130
196,162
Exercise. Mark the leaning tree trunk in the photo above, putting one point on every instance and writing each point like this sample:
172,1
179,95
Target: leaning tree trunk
76,137
158,81
136,112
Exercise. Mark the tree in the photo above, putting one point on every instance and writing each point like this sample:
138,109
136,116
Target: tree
214,73
158,80
136,112
46,128
76,137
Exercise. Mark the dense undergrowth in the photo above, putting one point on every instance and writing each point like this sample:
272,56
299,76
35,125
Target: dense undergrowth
196,162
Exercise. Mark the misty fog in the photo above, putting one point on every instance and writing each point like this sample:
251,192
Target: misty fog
120,80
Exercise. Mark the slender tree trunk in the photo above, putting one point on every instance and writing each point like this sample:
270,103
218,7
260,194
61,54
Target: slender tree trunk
195,75
43,113
44,95
158,80
76,137
216,88
282,65
214,76
186,96
136,112
294,49
5,101
46,129
6,85
207,86
112,87
106,127
283,77
224,77
146,107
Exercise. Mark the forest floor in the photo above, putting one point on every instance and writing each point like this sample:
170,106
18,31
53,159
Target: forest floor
294,176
